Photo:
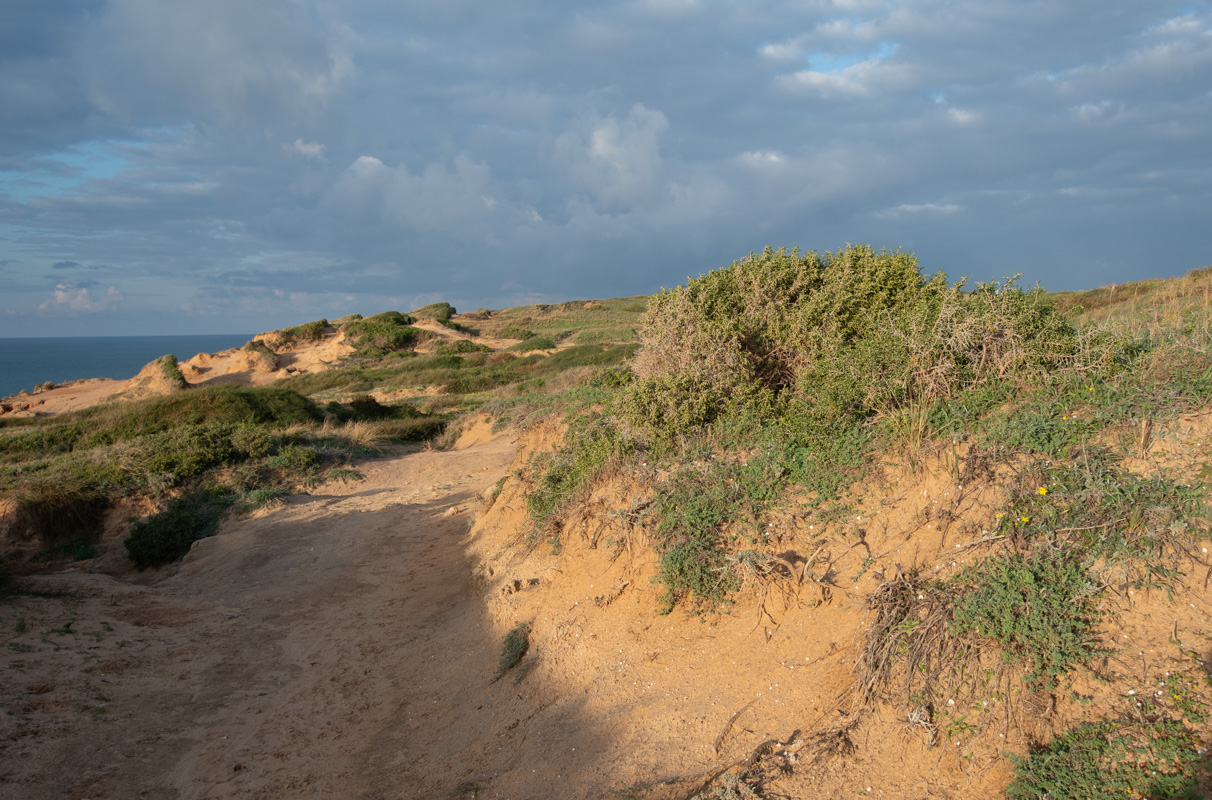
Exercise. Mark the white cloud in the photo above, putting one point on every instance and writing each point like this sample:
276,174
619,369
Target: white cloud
962,116
305,149
920,208
826,84
438,197
73,299
784,51
762,159
224,60
617,160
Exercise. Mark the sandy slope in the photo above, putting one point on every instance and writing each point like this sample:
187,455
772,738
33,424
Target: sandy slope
298,654
236,366
344,646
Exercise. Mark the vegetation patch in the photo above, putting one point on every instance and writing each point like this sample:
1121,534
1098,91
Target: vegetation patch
1040,608
1094,507
698,513
167,536
439,312
515,647
53,509
258,346
171,371
782,334
515,332
307,332
383,333
591,444
543,342
1129,758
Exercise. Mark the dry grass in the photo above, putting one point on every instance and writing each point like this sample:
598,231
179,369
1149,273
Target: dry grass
908,650
1155,307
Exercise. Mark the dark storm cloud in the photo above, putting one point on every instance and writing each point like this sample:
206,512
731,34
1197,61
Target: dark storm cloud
267,161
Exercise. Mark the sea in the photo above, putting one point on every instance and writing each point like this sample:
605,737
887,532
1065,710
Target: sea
25,363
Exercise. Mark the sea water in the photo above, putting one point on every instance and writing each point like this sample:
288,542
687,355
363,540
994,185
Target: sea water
25,363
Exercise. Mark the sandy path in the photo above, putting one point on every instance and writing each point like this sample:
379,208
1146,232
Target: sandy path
297,654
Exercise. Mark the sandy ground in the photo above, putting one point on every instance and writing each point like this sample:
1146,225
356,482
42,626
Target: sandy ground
345,645
298,654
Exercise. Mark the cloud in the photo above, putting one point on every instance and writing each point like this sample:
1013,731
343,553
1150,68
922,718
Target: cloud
74,298
224,60
305,149
921,208
398,150
617,161
437,197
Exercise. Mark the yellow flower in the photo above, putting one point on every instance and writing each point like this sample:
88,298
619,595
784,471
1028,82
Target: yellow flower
1064,418
1091,388
1042,490
1025,519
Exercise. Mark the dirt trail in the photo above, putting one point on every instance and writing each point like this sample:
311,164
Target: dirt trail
302,653
344,646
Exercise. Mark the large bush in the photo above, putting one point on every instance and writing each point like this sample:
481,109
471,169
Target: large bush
816,338
386,332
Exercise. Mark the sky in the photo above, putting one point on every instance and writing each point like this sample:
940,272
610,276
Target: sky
197,167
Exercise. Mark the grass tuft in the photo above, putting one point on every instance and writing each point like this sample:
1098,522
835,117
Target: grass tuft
514,648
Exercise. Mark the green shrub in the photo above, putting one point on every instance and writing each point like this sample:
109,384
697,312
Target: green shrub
77,548
167,536
263,497
824,463
517,642
533,343
366,407
349,379
172,372
272,406
383,333
1042,427
818,338
588,355
39,443
1040,608
250,441
1150,759
1098,508
413,430
696,512
258,346
590,444
191,450
292,456
515,332
605,336
307,332
463,346
441,312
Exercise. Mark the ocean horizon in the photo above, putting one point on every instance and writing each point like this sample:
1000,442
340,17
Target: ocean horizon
27,362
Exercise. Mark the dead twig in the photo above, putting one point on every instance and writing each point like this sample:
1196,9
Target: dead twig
979,542
808,563
715,748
